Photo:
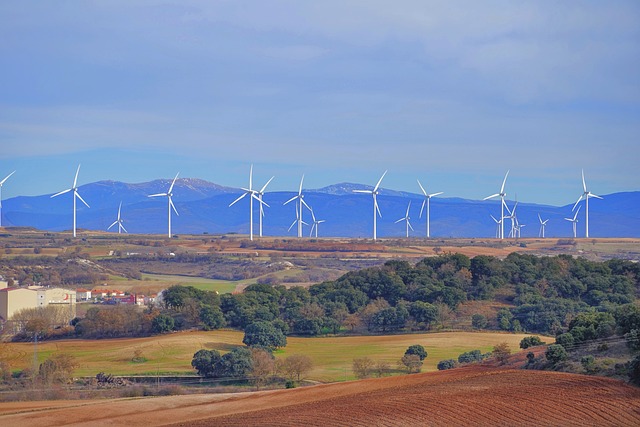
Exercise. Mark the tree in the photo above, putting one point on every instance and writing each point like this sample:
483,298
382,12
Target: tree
238,363
162,323
446,364
264,334
204,361
478,321
57,369
412,362
501,352
381,368
211,317
418,350
556,353
296,366
633,339
566,340
363,367
634,371
471,356
263,366
531,341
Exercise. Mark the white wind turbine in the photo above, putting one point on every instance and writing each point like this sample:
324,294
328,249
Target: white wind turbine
574,220
543,224
502,195
2,182
586,194
169,195
514,220
497,225
260,194
518,228
75,194
297,220
252,195
427,200
315,224
300,202
376,209
118,221
406,219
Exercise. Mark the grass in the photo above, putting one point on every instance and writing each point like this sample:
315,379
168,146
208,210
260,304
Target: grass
332,356
222,286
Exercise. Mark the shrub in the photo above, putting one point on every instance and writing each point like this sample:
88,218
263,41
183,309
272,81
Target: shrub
363,367
531,341
633,339
634,371
446,364
556,353
501,352
470,356
566,340
204,362
162,324
412,362
264,334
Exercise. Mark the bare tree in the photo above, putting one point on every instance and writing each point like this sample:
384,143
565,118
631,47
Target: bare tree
263,366
296,366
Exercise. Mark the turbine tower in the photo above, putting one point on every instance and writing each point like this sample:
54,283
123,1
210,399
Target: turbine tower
376,209
260,194
75,194
315,224
543,224
427,199
169,195
502,195
574,220
297,220
406,219
585,194
300,202
118,221
252,195
2,182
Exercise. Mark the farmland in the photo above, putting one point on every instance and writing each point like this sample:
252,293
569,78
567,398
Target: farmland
332,356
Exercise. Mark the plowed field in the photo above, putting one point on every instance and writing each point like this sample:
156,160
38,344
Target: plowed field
467,396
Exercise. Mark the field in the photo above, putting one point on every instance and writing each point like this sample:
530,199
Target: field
477,395
332,356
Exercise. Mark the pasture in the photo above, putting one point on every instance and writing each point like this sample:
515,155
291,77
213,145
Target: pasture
332,356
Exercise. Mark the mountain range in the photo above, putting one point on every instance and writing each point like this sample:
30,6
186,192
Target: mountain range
203,207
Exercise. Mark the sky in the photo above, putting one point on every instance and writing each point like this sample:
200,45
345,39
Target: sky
453,93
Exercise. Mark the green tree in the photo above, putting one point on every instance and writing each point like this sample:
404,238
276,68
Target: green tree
418,350
264,334
633,339
566,340
162,323
634,371
470,356
238,363
204,361
555,354
478,321
530,341
446,364
211,317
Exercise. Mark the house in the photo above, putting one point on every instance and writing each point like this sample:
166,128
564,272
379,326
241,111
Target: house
15,299
83,294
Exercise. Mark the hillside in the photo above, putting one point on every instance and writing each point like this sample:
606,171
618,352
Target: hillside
204,207
477,395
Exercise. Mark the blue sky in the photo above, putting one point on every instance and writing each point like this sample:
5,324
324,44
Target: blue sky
452,93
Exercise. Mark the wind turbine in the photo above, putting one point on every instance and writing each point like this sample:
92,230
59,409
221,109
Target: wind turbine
376,209
518,228
406,219
169,195
513,218
586,194
497,226
75,194
574,220
427,199
315,224
502,195
252,195
300,202
2,182
260,194
297,220
542,226
119,222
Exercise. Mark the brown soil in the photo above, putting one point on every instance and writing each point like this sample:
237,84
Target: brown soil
478,395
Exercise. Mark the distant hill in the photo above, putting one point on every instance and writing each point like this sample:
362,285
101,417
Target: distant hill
204,207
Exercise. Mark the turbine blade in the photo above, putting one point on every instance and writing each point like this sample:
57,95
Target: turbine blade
265,186
305,203
437,194
125,230
251,178
259,200
290,200
491,197
173,182
497,222
504,182
379,181
114,223
421,187
119,209
584,184
238,199
595,195
80,197
301,181
363,191
579,199
424,202
375,203
158,195
409,224
408,207
75,180
304,223
292,224
6,178
62,192
540,219
173,206
401,219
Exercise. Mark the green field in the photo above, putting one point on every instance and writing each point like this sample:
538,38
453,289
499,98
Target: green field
332,356
222,286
